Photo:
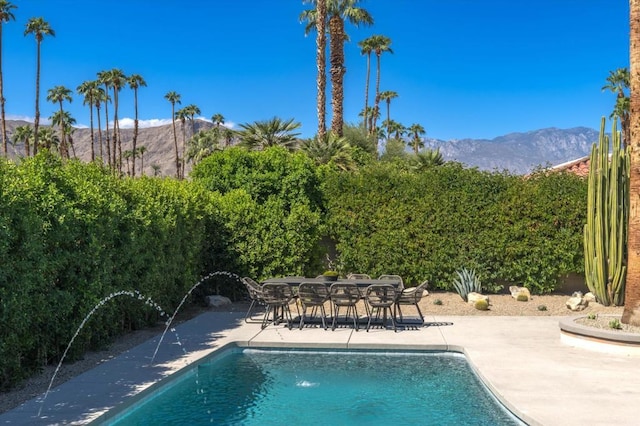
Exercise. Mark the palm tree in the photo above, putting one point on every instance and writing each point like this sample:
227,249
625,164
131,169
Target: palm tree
127,156
386,96
142,150
427,159
416,141
88,89
217,119
135,81
191,111
174,98
65,122
380,44
332,149
202,144
49,139
274,132
338,11
631,312
23,134
59,94
39,28
5,16
100,98
103,78
116,79
318,17
366,48
618,83
182,114
394,128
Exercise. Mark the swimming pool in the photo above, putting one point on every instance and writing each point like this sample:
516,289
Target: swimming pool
256,386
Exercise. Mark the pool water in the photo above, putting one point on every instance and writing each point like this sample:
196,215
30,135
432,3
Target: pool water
258,387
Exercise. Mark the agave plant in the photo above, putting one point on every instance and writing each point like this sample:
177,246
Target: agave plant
467,282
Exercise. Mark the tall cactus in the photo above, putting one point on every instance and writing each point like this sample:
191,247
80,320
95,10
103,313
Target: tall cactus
605,234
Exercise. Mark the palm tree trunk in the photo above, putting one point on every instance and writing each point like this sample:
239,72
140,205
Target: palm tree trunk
135,130
93,150
376,108
100,134
336,54
64,149
116,133
388,118
366,92
4,124
37,117
106,115
175,139
631,313
321,60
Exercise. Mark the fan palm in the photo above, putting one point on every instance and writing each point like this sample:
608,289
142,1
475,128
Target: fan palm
39,28
6,15
274,132
88,89
23,134
182,114
366,48
174,98
100,98
338,11
380,44
116,79
217,119
59,94
202,144
618,83
318,17
386,96
416,142
103,78
135,81
142,150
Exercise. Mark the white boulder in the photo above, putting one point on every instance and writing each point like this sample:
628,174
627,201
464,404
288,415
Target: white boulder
577,303
473,297
217,301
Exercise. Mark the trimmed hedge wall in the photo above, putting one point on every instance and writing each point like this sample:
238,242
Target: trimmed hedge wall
72,234
427,225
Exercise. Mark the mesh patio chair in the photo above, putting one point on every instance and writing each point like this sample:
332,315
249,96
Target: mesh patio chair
344,295
358,277
393,277
255,294
411,297
314,296
277,297
381,298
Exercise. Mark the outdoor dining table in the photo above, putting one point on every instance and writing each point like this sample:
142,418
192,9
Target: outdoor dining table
361,283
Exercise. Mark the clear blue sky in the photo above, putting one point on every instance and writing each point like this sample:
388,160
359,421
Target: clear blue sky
462,68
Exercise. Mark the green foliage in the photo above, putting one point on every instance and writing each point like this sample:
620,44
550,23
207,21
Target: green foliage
481,305
466,282
542,308
437,302
615,324
592,316
424,225
605,233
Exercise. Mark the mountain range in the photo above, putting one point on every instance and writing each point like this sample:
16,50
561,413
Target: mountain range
517,153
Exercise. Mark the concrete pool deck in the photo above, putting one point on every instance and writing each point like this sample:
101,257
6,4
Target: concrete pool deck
522,359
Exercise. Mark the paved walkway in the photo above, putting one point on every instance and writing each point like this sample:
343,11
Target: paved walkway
522,359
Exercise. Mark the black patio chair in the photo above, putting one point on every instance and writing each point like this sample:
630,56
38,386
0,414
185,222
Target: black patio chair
255,294
344,295
314,296
277,297
381,298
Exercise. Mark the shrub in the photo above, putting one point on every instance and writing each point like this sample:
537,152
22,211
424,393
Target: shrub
437,302
615,324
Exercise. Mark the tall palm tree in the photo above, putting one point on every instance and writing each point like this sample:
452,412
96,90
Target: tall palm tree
49,139
101,98
5,16
135,81
142,150
338,11
380,45
217,119
191,111
415,130
88,89
103,78
631,312
23,134
59,94
39,28
396,129
116,80
386,96
174,98
366,48
318,17
183,115
618,83
274,132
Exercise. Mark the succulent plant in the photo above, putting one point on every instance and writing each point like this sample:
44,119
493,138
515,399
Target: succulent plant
481,305
522,297
467,282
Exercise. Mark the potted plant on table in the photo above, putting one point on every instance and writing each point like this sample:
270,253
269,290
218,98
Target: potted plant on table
330,275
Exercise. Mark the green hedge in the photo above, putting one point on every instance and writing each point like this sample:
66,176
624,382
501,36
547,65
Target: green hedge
427,225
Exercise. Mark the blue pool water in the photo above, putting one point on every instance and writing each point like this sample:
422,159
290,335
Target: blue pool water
258,387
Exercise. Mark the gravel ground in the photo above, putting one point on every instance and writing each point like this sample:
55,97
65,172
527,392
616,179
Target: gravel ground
438,304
